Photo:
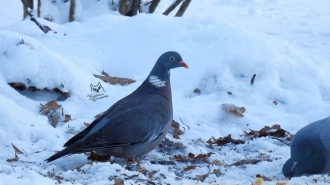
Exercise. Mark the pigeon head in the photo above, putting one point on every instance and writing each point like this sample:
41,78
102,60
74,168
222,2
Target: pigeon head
306,158
160,73
170,60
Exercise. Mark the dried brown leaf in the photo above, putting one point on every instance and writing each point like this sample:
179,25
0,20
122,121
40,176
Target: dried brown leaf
175,129
189,168
114,80
203,156
119,181
97,157
275,131
54,120
224,140
67,118
50,106
16,149
192,158
13,159
245,161
104,73
238,111
179,158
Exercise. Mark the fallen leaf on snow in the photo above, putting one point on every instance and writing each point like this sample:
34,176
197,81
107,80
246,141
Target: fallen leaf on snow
119,181
187,168
238,111
191,157
50,106
274,131
13,159
67,118
16,149
175,130
224,140
114,80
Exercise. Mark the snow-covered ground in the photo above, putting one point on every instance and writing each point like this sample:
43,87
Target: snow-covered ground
224,42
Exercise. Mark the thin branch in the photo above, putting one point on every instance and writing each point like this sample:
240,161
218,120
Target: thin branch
172,7
153,6
252,79
183,8
185,124
44,28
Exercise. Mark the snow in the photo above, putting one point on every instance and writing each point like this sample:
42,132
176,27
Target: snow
224,42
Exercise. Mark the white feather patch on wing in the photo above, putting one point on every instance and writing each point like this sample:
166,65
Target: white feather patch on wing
154,80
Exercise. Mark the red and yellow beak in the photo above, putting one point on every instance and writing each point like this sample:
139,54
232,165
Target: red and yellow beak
184,64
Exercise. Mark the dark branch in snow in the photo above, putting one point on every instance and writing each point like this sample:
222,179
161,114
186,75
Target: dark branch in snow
183,8
252,79
44,28
172,7
153,5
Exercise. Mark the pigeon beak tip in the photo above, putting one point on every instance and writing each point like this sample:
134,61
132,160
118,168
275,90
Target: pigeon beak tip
183,64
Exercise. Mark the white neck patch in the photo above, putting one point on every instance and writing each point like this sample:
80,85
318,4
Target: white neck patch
155,81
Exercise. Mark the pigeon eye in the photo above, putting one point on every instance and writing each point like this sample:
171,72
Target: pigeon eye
172,58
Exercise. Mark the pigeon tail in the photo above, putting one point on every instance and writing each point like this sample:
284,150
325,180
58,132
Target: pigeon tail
59,154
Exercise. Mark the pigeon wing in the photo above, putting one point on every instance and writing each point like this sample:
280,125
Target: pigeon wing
130,122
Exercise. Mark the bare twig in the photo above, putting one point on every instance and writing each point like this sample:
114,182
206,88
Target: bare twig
252,79
134,8
183,8
44,28
184,124
13,168
153,5
71,12
172,7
